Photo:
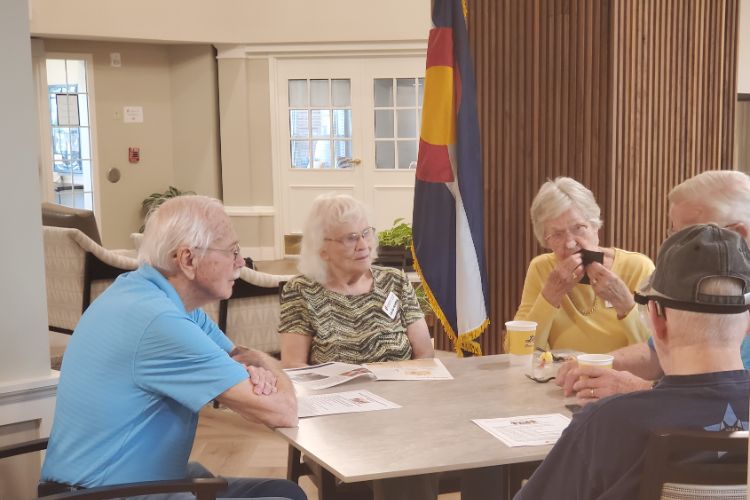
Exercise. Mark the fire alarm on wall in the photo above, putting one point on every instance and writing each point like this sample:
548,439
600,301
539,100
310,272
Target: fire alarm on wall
134,155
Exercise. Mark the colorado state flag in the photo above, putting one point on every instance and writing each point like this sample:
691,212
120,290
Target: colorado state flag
448,198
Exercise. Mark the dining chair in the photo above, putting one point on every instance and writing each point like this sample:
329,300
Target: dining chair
695,464
202,488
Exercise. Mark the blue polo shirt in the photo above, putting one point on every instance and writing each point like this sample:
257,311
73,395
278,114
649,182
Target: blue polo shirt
136,372
744,350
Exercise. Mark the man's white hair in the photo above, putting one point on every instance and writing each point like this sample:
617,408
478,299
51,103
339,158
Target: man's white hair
328,212
722,196
558,196
180,221
696,328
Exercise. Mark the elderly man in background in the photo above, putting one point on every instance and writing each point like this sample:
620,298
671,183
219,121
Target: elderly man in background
145,358
696,304
718,196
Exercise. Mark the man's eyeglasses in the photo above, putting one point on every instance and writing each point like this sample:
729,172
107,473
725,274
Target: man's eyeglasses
234,250
575,230
350,240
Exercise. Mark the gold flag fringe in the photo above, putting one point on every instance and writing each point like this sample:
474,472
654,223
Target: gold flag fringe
463,342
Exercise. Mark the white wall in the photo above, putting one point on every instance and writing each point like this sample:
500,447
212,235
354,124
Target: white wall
743,54
23,305
233,21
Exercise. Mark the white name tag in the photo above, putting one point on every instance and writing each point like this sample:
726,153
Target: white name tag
390,306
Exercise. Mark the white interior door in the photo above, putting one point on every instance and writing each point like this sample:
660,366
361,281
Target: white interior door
349,125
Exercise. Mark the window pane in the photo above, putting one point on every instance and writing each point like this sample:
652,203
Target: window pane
342,151
85,143
405,93
298,126
383,123
300,154
88,201
407,154
421,91
297,93
384,154
342,92
83,109
383,90
56,72
319,93
84,178
321,154
76,75
342,122
321,122
53,109
407,123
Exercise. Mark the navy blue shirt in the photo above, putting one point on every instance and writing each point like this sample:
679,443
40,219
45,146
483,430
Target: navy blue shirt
601,454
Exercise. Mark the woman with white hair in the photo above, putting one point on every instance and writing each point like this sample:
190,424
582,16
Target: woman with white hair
578,303
342,308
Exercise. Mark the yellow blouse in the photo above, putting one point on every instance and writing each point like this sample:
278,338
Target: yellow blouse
573,325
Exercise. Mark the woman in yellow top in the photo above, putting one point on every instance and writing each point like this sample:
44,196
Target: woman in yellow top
597,317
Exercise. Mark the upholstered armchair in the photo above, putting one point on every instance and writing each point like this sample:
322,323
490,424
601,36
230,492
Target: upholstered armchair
250,317
77,270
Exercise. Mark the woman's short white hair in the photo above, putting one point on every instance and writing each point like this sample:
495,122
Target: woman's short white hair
328,212
724,195
556,197
181,221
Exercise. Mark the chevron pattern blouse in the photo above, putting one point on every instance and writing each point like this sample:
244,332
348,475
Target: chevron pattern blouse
351,328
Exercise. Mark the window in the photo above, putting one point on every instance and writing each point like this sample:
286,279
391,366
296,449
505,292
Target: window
398,113
320,123
70,132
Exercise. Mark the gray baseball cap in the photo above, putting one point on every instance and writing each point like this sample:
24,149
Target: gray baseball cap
692,255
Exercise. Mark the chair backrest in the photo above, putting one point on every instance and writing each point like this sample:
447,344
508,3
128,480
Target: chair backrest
695,464
77,270
76,218
250,317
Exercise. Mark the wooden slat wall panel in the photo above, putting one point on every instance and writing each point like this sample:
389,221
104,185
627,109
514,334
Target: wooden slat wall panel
675,62
630,97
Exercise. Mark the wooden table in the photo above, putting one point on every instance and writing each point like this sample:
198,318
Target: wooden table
433,431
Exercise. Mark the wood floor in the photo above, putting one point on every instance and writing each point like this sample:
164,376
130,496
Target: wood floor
229,445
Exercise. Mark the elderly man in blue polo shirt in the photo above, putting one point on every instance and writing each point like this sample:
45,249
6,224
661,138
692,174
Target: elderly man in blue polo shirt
145,358
718,196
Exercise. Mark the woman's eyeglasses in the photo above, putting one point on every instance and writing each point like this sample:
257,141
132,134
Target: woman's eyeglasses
350,240
575,230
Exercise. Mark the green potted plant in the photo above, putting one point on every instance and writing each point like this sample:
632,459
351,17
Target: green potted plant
394,246
155,199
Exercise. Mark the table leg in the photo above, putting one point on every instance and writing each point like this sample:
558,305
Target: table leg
487,482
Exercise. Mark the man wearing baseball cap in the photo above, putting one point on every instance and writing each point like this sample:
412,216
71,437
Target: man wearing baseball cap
696,302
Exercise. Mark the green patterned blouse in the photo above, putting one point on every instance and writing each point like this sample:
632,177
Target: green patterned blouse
351,328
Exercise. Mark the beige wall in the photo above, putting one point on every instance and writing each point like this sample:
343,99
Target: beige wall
178,139
195,119
23,308
23,305
233,21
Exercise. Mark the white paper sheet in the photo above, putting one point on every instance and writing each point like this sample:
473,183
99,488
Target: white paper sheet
326,375
412,369
341,402
526,430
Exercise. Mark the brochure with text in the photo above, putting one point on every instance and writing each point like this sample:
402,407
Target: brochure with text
341,402
326,375
330,374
